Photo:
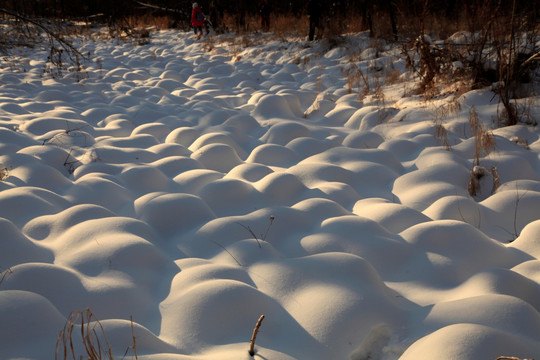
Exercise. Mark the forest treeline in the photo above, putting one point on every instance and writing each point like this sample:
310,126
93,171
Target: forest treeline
379,16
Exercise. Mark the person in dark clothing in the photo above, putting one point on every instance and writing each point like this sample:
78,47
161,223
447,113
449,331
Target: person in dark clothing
265,10
314,11
216,16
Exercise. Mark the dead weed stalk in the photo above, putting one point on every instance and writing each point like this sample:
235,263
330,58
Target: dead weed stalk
484,140
263,236
254,336
4,274
93,340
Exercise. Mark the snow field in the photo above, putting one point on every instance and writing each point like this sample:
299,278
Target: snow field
194,193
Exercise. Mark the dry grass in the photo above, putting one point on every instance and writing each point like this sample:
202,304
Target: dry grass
443,112
449,108
303,61
391,75
378,91
284,26
237,44
4,173
484,143
357,78
434,68
524,109
84,332
483,139
496,179
524,143
150,21
92,338
441,134
232,23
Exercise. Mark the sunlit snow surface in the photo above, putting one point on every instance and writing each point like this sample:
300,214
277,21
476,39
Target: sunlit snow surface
195,189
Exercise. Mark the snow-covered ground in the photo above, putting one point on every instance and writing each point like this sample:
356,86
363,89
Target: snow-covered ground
193,186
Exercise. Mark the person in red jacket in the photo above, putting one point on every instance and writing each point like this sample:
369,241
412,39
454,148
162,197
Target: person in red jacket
197,19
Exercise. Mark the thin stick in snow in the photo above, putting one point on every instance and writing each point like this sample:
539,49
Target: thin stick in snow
254,336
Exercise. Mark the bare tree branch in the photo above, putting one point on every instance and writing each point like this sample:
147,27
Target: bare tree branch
66,45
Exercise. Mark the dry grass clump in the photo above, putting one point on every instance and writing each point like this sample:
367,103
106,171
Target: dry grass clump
357,78
437,67
484,143
483,139
441,134
4,173
90,338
